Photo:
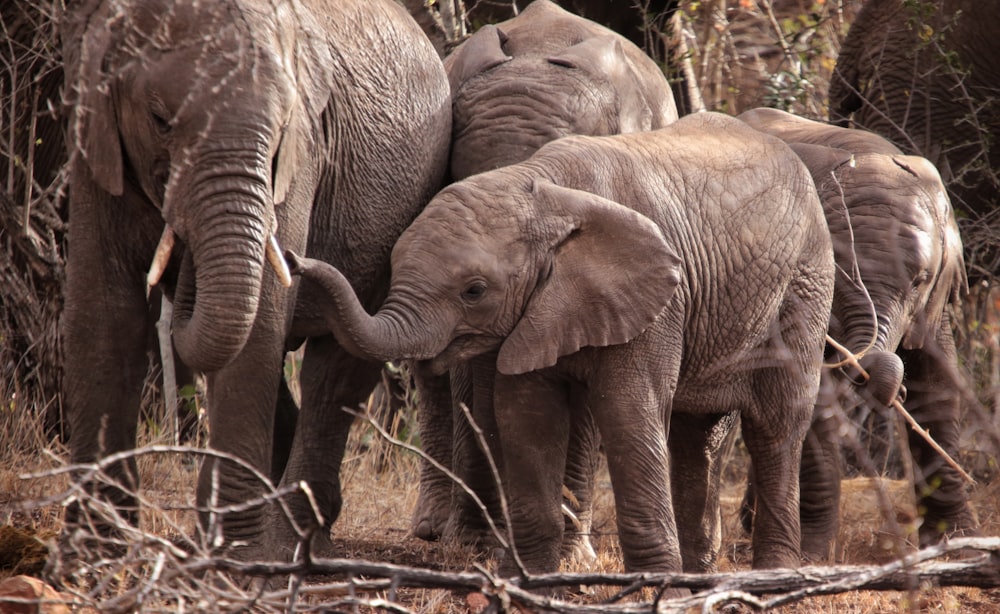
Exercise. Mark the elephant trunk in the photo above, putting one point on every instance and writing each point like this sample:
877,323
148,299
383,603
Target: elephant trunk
389,334
868,333
219,287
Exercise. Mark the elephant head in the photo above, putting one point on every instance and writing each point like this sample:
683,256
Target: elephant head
546,74
899,252
194,129
534,282
895,241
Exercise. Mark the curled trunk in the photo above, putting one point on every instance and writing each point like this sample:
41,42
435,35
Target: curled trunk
219,286
390,334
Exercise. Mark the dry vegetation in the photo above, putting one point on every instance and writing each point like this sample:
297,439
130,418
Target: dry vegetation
743,54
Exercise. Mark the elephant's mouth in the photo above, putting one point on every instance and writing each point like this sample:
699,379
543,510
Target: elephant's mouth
461,349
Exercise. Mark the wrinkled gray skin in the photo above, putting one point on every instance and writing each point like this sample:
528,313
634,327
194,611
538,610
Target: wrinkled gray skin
889,216
723,314
546,74
515,86
924,75
322,123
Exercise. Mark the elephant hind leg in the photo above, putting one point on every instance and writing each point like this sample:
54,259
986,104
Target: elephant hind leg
698,447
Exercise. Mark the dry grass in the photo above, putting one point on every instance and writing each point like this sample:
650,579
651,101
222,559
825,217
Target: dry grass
380,489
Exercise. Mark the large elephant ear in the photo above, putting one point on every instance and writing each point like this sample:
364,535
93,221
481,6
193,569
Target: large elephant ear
611,273
604,57
481,52
951,283
96,123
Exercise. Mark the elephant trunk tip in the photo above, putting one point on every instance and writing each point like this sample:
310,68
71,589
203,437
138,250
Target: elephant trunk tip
295,264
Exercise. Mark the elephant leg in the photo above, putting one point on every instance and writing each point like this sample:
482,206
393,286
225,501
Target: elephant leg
776,452
241,399
533,416
475,381
104,329
286,415
698,447
819,484
631,406
434,415
331,379
583,455
934,400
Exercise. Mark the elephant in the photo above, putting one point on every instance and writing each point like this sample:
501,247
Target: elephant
544,74
923,75
203,136
892,224
686,270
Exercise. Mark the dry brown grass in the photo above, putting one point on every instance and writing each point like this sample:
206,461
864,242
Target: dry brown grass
380,488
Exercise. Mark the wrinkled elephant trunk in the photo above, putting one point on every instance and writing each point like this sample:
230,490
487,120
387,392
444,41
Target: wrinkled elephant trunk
394,332
219,285
885,371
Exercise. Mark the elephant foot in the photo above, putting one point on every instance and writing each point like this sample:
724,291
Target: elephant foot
430,516
933,531
816,548
578,551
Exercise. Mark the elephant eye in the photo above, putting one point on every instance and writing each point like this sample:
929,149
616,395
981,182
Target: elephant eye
162,124
474,292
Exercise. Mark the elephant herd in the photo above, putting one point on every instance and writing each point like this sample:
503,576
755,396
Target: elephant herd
533,227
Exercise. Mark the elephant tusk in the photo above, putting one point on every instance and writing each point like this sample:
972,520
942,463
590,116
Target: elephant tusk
161,257
278,262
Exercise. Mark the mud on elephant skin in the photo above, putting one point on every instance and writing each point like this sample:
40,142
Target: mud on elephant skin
544,74
901,269
225,129
539,269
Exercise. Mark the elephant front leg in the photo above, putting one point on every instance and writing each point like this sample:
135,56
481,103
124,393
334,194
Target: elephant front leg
934,400
532,417
581,470
331,380
473,383
433,508
105,336
241,399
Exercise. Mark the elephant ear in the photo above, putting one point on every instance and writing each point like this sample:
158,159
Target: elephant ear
951,283
96,123
483,51
604,57
610,274
821,161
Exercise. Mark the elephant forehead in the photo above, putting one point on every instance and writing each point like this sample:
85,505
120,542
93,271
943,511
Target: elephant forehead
453,229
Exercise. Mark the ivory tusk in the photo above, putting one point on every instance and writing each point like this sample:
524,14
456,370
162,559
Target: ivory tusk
162,256
277,261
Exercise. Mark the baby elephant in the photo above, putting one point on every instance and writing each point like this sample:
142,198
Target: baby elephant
896,242
687,269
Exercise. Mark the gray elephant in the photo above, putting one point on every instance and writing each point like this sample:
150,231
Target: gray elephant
923,74
684,270
544,74
223,129
891,223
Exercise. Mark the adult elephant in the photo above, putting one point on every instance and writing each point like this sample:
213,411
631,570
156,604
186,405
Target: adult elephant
724,314
542,75
898,248
923,75
224,129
